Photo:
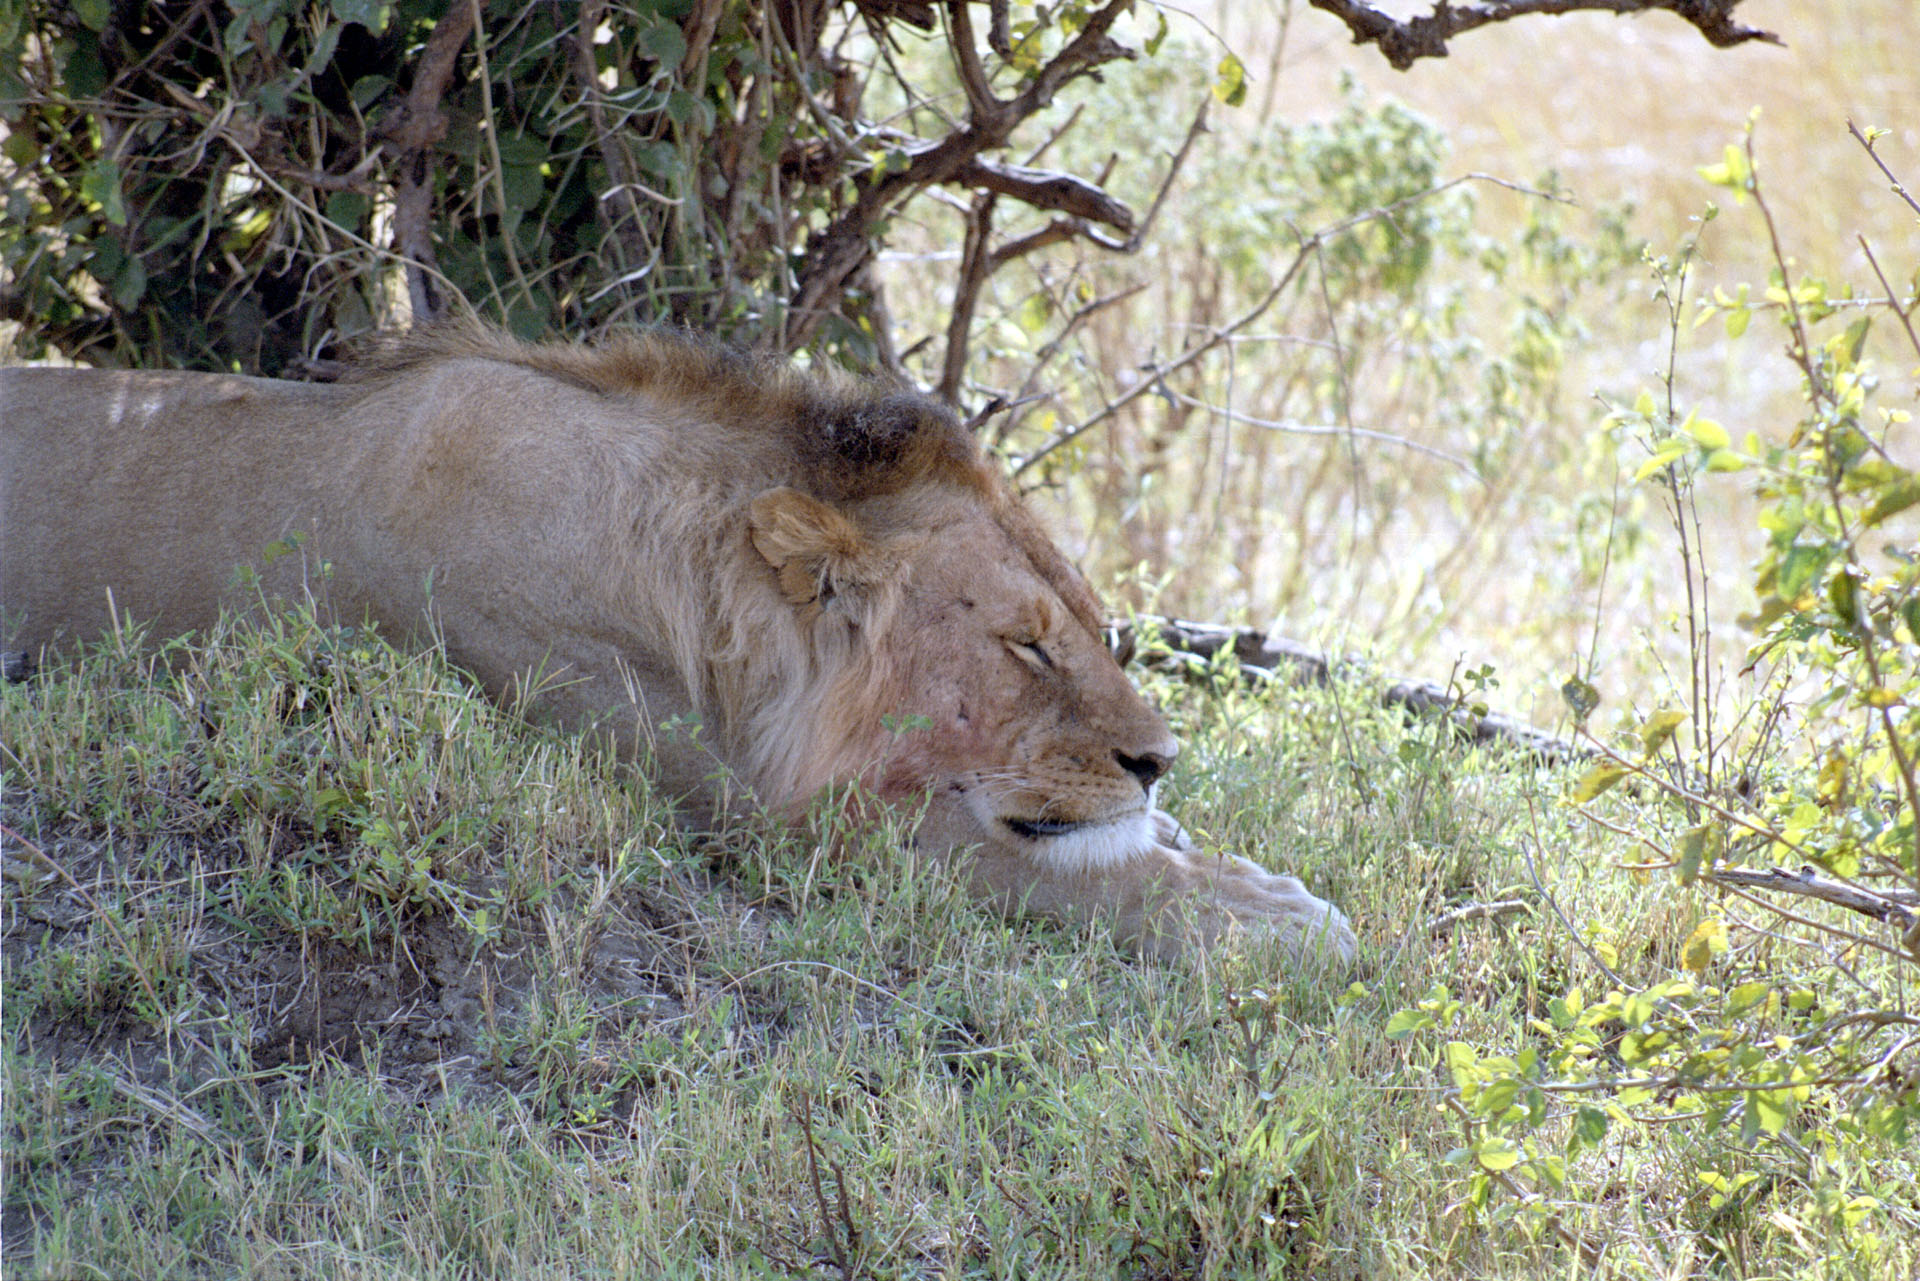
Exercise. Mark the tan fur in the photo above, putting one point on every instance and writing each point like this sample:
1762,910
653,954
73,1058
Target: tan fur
655,532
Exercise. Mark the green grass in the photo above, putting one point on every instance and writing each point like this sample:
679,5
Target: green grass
317,964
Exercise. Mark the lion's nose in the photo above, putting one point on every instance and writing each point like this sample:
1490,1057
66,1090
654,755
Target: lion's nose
1146,767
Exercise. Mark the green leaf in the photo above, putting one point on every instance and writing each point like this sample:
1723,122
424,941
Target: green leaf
1897,497
1732,172
1497,1154
1159,35
1799,567
21,147
1597,780
663,42
1670,450
1230,82
130,284
1659,728
370,14
1695,846
1768,1109
1708,434
1580,697
101,184
93,12
347,210
1497,1098
1708,940
1855,339
86,70
1461,1061
1407,1022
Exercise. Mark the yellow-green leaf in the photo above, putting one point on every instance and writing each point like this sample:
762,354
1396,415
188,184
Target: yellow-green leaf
1697,846
1230,81
1670,450
1896,499
1597,780
1708,434
1708,940
1497,1154
1659,728
1769,1108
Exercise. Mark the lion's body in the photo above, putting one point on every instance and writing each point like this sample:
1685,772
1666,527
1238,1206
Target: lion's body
647,536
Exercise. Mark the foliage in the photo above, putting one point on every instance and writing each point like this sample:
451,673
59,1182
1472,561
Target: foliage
1777,1020
248,190
1332,354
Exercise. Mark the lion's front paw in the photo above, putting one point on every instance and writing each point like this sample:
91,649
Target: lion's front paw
1205,900
1253,898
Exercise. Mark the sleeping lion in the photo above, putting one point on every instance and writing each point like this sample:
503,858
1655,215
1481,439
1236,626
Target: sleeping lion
660,528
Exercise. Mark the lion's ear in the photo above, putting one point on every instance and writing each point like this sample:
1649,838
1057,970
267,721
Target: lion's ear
816,552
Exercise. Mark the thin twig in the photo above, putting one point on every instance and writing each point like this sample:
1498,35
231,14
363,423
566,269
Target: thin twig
1153,377
1494,911
1305,429
1898,189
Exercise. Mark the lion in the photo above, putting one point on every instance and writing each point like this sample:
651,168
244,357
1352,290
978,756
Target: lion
826,574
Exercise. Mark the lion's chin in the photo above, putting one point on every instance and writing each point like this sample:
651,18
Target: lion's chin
1081,846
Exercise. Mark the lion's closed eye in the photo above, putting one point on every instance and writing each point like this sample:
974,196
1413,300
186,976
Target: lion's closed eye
1031,651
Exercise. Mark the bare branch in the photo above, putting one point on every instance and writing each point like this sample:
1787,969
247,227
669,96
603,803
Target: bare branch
1425,35
987,109
976,264
1445,922
1152,378
1263,657
414,129
1899,907
845,245
1873,155
1344,431
1047,189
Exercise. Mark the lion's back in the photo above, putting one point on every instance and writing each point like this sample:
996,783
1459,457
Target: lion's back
151,485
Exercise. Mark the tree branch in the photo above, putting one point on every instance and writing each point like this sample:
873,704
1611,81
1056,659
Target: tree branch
1897,907
1047,189
839,250
976,264
1262,657
414,130
1425,35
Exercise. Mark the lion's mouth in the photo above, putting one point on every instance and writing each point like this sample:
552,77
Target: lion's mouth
1034,829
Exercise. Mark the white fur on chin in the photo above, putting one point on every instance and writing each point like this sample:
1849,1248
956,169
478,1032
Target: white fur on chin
1096,845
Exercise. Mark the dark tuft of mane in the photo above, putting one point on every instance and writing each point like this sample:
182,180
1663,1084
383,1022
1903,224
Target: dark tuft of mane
851,437
857,445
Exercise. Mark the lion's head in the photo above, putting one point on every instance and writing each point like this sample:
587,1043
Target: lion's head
975,669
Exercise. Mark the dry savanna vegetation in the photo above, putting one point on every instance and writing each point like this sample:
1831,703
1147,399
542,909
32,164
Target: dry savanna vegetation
1548,371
